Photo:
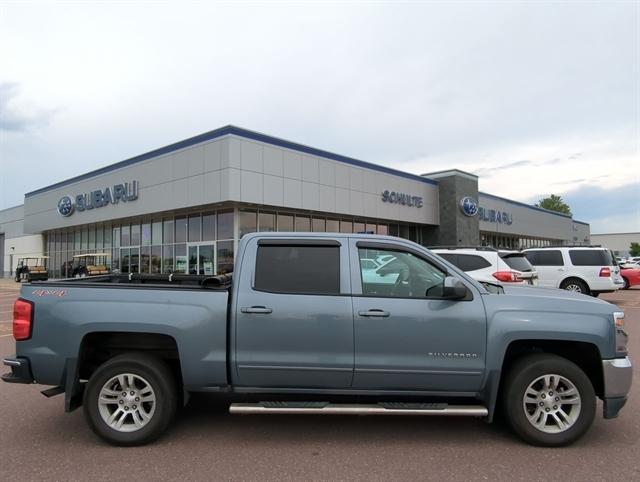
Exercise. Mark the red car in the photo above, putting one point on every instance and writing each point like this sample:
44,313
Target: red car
631,277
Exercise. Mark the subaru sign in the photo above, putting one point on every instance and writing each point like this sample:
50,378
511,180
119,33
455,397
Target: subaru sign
402,198
495,216
469,206
125,192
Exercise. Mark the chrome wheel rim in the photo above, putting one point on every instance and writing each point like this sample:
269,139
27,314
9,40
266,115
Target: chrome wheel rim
574,287
127,402
552,403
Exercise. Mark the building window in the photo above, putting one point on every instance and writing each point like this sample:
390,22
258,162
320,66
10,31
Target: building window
333,226
146,234
303,224
346,226
208,227
156,232
181,230
167,259
225,257
194,228
156,258
167,231
135,234
266,222
318,225
225,225
125,235
285,223
358,227
247,222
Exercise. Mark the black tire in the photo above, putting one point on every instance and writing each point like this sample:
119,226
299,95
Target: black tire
159,377
626,283
527,370
575,285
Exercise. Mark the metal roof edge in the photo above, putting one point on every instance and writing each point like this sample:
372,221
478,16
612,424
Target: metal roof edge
231,130
518,203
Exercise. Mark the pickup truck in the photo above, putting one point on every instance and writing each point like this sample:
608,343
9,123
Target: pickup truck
300,330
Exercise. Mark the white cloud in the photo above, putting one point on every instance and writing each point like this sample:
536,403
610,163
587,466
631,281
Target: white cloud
417,86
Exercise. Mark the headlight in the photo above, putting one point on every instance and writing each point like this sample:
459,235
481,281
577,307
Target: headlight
618,318
621,337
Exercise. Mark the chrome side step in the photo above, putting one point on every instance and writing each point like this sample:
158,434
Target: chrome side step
325,408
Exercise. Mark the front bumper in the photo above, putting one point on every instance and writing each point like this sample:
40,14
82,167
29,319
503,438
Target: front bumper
617,373
20,371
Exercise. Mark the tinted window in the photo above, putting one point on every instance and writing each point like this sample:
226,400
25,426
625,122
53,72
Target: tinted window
517,262
452,258
590,257
470,262
545,258
404,275
298,269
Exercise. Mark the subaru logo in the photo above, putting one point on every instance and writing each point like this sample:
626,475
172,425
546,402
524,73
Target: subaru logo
65,206
469,206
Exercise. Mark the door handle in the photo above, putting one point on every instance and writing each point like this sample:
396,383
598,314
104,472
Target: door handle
374,313
256,309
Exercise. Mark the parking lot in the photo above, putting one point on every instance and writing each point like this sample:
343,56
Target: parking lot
40,441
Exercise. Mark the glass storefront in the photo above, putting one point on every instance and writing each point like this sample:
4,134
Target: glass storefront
196,242
510,241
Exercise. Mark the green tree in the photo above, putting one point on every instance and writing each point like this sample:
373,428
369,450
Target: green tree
634,249
554,203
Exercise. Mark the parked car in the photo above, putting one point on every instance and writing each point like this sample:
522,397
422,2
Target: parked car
630,276
583,269
297,330
489,265
31,268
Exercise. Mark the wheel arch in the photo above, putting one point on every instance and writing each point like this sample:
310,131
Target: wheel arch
99,346
584,354
574,277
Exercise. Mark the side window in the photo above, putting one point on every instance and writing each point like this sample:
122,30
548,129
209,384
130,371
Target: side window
470,262
548,257
298,269
403,275
590,257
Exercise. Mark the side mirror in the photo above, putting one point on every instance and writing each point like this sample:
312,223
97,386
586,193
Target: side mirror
453,288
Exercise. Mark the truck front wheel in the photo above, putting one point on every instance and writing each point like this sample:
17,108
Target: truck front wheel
130,399
548,400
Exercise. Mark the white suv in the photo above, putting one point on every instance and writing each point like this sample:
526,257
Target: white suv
584,269
489,265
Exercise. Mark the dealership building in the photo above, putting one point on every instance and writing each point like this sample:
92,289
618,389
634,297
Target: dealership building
184,207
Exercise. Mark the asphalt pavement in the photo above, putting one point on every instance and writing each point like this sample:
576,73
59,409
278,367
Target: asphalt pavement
39,441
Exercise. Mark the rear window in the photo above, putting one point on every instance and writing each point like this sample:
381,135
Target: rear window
548,257
518,262
298,269
452,258
590,257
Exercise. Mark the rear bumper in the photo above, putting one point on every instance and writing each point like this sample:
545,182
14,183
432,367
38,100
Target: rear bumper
617,373
20,371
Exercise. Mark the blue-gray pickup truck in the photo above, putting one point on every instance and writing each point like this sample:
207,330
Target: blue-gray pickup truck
319,323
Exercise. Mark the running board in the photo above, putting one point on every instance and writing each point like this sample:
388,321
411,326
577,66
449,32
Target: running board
391,408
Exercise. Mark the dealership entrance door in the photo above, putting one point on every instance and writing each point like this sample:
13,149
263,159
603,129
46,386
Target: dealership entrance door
130,260
202,258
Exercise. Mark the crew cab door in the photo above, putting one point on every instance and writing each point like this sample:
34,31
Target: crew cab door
406,336
293,315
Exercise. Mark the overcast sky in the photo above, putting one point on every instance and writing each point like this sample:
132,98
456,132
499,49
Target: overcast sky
535,97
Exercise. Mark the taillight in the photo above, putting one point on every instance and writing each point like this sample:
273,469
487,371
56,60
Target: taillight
506,276
22,319
605,272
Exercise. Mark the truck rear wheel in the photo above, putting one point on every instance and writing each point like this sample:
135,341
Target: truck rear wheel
131,399
548,400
